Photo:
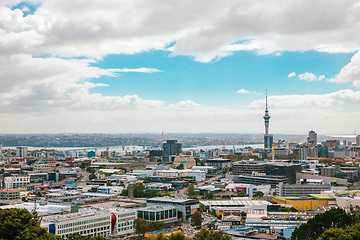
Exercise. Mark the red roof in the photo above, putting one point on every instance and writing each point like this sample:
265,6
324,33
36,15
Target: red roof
4,190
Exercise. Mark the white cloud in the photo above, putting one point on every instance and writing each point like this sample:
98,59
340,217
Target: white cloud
206,29
321,77
350,73
292,74
39,94
341,99
308,76
244,91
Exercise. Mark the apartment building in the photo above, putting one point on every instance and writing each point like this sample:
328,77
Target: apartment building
122,221
86,222
16,181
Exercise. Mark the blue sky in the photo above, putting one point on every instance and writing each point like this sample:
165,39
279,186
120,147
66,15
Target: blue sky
196,66
182,77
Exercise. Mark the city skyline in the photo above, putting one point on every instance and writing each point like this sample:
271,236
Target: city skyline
204,66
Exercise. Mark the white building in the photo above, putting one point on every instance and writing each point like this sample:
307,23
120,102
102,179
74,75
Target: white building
249,189
207,169
122,221
85,222
16,181
199,175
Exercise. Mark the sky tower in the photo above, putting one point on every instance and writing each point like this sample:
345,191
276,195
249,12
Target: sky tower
268,138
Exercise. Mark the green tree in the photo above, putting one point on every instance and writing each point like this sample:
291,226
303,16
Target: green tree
286,209
181,166
141,226
241,194
77,236
259,194
92,176
191,190
178,236
20,224
233,157
315,227
226,197
156,225
196,219
206,234
348,233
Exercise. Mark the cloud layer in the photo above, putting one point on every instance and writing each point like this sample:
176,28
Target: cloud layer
46,72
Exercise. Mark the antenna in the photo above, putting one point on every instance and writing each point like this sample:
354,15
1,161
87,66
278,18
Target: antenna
266,101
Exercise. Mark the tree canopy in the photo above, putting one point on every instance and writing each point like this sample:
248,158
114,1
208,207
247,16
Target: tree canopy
20,224
315,227
196,219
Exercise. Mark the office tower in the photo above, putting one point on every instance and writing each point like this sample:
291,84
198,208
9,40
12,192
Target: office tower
268,138
21,152
358,140
312,138
170,149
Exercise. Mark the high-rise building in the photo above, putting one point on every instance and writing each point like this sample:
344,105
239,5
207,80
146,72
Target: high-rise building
312,138
21,152
268,138
171,149
358,140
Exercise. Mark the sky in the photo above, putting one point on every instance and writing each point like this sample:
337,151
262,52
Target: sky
147,66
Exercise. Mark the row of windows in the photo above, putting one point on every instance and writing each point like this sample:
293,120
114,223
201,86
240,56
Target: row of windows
85,227
158,215
77,229
125,228
125,223
126,214
126,219
83,222
104,234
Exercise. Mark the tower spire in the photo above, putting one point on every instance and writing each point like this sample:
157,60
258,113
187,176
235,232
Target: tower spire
268,138
266,108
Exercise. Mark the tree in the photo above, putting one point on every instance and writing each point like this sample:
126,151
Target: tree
226,197
259,194
208,195
315,227
349,232
286,209
156,225
141,226
77,236
191,190
178,236
180,166
241,194
232,157
92,176
196,219
206,234
20,224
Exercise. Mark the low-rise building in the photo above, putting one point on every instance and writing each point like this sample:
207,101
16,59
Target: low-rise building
256,208
219,163
186,206
166,214
302,203
122,221
293,190
249,189
187,162
8,195
161,187
16,181
87,222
